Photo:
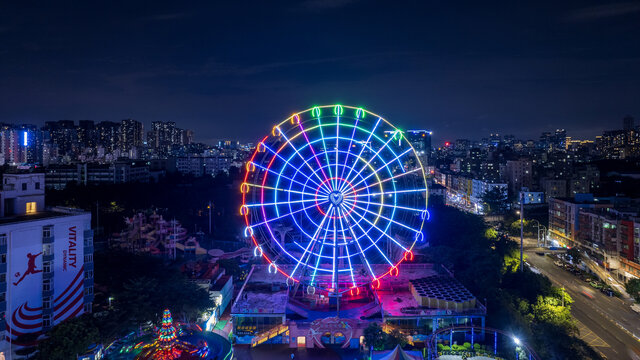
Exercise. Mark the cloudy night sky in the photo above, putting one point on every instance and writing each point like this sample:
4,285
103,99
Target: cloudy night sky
231,69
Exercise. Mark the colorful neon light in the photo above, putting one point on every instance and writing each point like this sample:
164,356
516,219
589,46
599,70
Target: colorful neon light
335,201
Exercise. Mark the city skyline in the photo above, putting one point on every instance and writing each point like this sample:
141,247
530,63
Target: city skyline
572,65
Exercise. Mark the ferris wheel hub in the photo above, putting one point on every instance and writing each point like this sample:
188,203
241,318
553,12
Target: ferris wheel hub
336,198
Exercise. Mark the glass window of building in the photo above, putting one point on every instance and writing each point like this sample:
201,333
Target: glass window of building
31,207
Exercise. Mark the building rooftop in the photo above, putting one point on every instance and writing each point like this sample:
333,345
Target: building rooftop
262,292
444,294
47,214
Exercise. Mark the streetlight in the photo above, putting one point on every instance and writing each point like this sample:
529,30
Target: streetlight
517,342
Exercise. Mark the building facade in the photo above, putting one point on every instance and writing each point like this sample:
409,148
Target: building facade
46,274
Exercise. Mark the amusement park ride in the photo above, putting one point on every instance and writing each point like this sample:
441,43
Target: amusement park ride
351,186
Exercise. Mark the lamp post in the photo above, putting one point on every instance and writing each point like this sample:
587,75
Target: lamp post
521,231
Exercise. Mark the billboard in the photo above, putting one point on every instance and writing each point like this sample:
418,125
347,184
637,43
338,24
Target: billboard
24,280
26,270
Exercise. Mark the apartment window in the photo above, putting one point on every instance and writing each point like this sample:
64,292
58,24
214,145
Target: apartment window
88,241
24,186
88,291
47,231
46,267
88,258
38,185
47,249
3,296
3,259
88,274
31,207
3,239
46,321
87,308
46,285
3,277
46,302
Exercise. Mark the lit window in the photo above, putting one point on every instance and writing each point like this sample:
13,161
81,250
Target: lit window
31,207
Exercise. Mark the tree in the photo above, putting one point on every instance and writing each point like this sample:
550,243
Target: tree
374,337
495,200
633,288
394,338
68,339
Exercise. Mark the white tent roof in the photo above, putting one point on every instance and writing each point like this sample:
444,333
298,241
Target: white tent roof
397,354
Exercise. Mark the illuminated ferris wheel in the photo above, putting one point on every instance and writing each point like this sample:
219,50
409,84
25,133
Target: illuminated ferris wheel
334,198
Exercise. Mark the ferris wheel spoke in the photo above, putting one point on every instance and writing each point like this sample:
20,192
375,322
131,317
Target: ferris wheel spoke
285,161
386,218
368,162
324,145
311,243
346,158
383,181
384,233
385,193
304,133
382,167
361,251
365,233
281,189
286,177
391,206
337,159
300,155
319,254
280,203
346,247
364,146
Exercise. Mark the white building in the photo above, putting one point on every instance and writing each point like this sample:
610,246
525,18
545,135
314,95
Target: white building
46,262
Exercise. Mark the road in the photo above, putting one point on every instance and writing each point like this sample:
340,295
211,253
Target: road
601,319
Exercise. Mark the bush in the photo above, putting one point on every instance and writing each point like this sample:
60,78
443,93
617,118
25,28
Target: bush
467,345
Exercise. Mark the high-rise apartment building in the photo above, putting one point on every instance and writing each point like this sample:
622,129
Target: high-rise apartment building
131,134
519,174
108,134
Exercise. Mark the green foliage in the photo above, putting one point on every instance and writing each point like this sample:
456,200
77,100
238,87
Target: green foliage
512,261
374,336
394,338
515,300
530,228
495,201
68,339
633,288
491,234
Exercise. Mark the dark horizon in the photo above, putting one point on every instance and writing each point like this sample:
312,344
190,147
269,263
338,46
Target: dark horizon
231,70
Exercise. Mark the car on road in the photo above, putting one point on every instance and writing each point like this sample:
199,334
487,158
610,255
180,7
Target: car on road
636,308
587,294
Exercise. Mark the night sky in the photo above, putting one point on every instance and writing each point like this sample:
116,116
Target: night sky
231,69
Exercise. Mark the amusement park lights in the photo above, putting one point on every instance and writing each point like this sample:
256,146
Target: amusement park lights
332,202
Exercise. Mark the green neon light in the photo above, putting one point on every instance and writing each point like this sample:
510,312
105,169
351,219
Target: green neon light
338,110
360,113
316,112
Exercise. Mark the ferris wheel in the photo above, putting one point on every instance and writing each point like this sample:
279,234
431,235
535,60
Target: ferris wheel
335,198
